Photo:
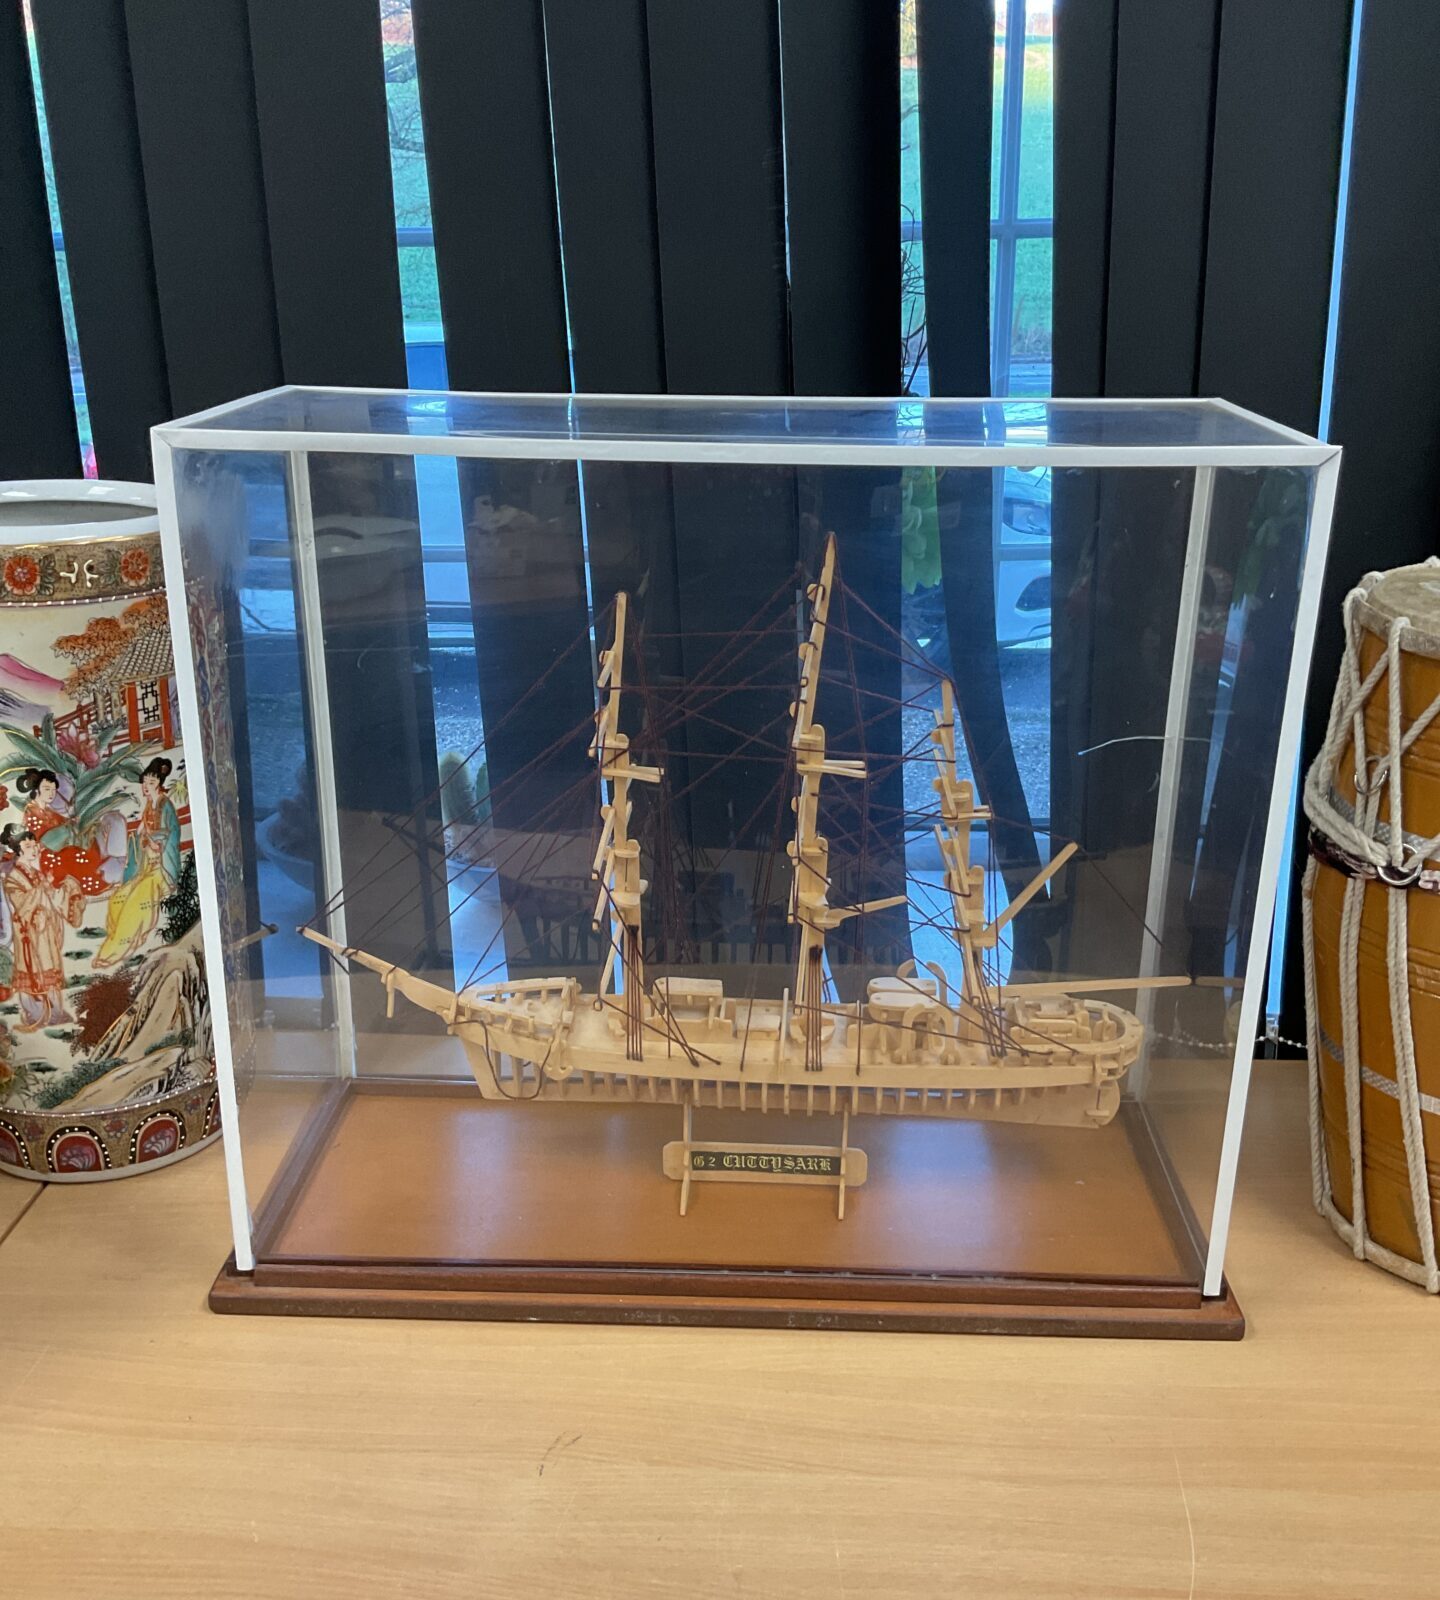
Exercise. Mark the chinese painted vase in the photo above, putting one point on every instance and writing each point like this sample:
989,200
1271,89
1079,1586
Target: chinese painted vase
106,1063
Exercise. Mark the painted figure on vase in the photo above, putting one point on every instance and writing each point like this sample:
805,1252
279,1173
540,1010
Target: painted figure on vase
152,866
37,932
78,870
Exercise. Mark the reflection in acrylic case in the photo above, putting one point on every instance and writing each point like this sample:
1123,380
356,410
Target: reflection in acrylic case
670,863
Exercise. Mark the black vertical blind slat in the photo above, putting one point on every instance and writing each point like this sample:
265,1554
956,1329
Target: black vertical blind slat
492,193
841,77
720,195
1164,99
485,110
598,59
37,416
1135,95
720,204
1385,409
840,72
85,73
195,108
861,703
325,152
1385,406
1197,156
381,706
1085,39
955,69
600,112
329,201
1279,119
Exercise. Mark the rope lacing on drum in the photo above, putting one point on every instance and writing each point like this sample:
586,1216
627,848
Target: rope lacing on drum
1397,863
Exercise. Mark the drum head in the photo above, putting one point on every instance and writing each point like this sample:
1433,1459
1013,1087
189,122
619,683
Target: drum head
1412,592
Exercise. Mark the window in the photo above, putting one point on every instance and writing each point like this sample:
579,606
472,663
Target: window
414,234
72,343
1022,197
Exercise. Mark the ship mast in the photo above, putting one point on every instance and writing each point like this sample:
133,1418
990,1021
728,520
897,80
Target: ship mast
966,882
810,907
617,858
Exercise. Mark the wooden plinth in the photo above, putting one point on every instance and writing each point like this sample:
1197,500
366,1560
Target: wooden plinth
425,1201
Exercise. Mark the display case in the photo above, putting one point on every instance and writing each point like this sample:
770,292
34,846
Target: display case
759,861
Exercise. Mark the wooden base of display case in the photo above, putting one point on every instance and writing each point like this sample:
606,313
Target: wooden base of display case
407,1200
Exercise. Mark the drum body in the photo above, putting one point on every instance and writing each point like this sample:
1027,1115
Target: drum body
1373,971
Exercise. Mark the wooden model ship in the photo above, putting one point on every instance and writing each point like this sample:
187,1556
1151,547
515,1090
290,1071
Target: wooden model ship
916,1043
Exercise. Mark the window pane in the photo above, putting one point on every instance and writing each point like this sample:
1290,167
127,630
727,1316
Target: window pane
402,98
997,102
1031,318
909,117
1037,126
419,287
916,373
419,290
1025,514
994,274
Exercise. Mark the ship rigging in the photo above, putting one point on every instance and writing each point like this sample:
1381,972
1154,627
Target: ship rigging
914,1042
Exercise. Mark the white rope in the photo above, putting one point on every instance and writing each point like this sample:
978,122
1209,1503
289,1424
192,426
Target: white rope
1319,1165
1350,1040
1396,860
1397,954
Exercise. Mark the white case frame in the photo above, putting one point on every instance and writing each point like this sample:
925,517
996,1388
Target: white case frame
1290,448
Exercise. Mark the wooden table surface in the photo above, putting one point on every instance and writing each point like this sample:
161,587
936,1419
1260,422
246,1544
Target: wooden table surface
152,1449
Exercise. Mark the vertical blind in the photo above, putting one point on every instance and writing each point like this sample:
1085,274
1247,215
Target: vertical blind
681,196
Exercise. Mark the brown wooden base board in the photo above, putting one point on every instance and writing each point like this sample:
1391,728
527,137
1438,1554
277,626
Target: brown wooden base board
987,1307
422,1200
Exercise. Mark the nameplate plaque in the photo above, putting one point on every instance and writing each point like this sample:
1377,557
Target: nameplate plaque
780,1163
711,1161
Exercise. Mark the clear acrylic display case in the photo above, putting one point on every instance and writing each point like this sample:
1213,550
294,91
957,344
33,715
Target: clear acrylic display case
805,862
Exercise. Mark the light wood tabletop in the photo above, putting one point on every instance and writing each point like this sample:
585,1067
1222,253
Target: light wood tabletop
153,1449
17,1195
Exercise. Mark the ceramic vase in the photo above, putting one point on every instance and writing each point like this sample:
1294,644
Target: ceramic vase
106,1062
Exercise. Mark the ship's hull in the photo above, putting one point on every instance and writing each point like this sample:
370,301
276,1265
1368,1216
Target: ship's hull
752,1056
